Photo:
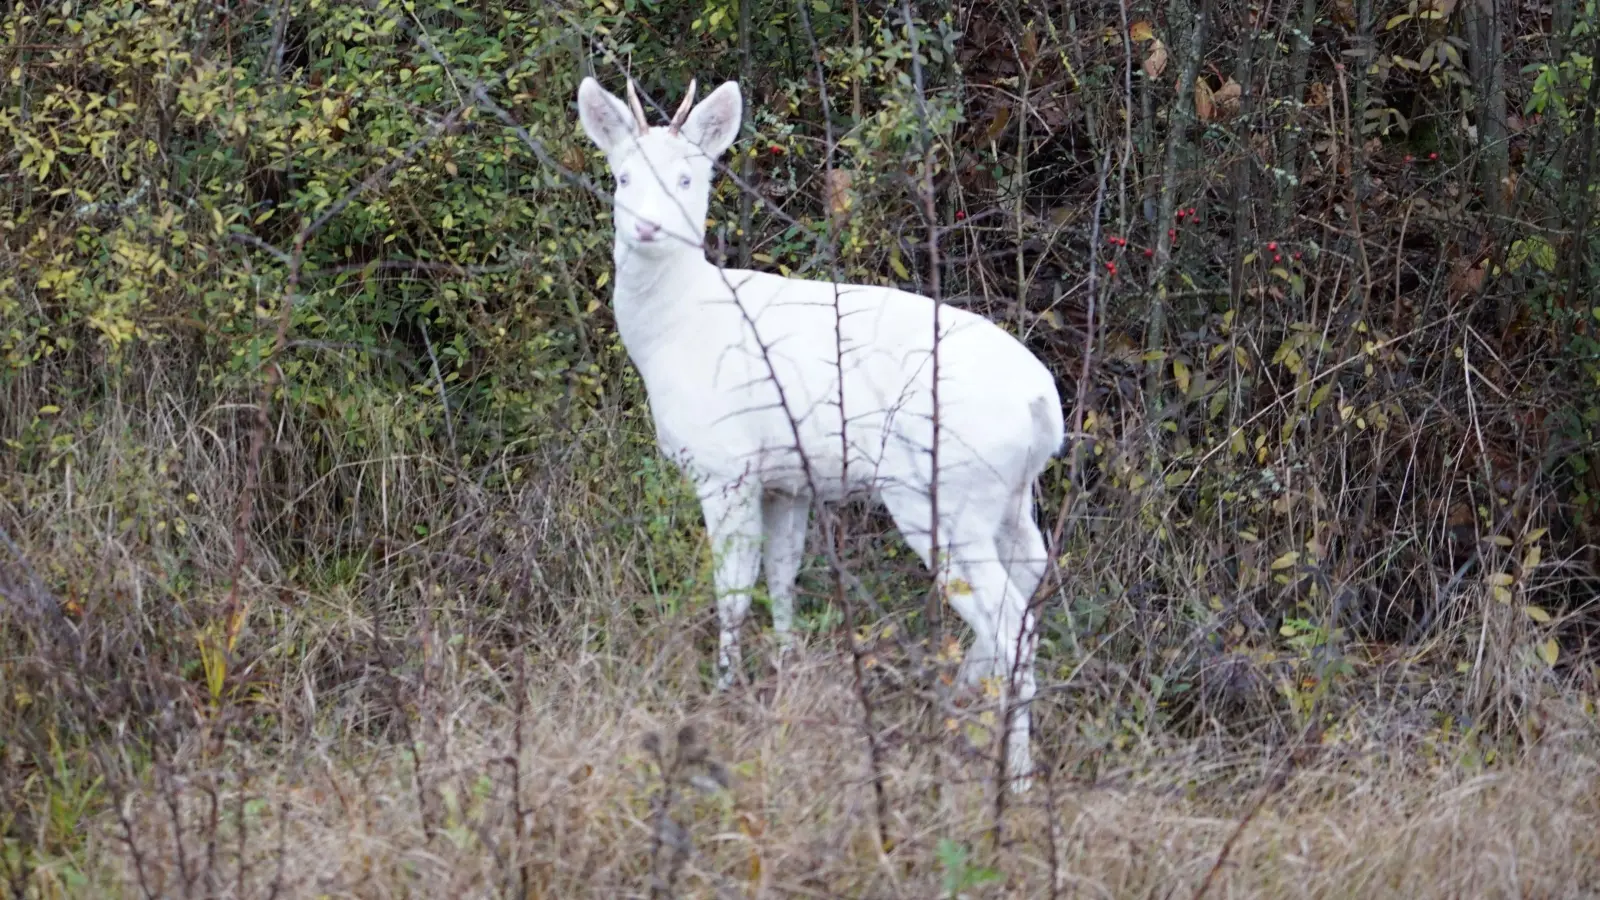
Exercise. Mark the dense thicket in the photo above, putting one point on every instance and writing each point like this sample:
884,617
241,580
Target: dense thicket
307,374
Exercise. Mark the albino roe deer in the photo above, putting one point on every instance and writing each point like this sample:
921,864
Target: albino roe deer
770,393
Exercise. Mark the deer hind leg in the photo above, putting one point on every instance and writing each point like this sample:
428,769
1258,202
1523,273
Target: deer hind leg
1004,649
979,584
1023,552
783,518
733,522
1022,547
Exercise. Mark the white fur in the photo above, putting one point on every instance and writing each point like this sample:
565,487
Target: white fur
737,363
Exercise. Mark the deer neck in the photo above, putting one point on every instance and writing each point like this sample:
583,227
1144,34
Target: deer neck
651,296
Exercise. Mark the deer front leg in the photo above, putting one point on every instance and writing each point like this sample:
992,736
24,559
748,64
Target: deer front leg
733,522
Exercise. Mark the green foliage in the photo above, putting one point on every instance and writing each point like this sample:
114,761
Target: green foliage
960,874
1559,86
255,153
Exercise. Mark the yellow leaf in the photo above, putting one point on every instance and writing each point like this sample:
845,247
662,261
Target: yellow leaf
1530,561
836,193
1550,651
1501,595
1286,560
1141,31
1180,373
1500,540
1227,98
1535,534
1500,579
1537,614
601,281
898,266
1156,62
1203,106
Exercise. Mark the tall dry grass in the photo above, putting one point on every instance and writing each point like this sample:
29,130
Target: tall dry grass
517,704
560,799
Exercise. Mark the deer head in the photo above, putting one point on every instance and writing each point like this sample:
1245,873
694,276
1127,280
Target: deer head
663,174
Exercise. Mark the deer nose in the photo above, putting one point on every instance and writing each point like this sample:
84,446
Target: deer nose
647,231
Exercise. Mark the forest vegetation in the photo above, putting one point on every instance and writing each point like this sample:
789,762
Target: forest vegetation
337,559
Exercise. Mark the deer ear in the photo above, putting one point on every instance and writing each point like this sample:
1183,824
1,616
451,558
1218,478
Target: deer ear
714,122
606,119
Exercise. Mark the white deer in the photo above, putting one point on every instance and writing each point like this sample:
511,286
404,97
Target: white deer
770,393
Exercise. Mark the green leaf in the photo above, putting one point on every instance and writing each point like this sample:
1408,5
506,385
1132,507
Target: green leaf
1321,395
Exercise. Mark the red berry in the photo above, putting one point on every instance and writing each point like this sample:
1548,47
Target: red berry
1172,233
1180,213
1277,258
960,214
1191,212
1433,156
1408,157
1149,253
1297,254
1272,245
775,149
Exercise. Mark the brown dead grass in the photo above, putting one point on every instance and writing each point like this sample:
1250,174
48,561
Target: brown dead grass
339,818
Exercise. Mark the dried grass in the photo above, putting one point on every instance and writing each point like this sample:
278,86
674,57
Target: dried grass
346,819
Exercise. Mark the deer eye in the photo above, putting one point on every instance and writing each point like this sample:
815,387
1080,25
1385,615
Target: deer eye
622,180
683,182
